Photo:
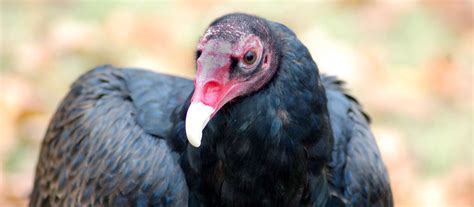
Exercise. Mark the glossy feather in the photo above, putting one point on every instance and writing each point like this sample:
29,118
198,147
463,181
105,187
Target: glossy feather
100,148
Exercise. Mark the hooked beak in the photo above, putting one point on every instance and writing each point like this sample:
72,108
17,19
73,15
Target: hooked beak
197,118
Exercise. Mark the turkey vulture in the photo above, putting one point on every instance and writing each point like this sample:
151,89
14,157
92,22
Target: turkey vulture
264,129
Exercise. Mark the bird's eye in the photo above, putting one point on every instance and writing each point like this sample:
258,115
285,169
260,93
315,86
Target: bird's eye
250,57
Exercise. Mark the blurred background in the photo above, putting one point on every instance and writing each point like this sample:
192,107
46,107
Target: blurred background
410,63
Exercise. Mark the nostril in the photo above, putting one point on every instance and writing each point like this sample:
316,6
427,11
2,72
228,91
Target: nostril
211,91
212,86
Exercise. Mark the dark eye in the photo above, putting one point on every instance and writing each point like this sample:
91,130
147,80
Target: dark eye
250,57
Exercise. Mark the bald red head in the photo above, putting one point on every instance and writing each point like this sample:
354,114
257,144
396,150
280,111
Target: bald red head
235,57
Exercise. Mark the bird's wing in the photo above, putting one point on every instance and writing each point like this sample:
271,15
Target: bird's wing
106,145
357,174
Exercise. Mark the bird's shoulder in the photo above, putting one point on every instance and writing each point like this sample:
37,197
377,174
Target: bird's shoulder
357,173
96,151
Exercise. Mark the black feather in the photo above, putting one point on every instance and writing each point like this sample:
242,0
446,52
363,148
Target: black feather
99,149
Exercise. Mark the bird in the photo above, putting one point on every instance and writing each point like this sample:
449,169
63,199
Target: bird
258,126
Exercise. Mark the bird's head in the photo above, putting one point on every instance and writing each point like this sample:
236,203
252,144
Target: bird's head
236,56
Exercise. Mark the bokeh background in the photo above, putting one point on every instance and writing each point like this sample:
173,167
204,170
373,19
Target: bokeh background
410,63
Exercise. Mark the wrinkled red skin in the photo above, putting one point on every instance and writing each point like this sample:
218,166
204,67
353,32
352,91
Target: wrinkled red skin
213,83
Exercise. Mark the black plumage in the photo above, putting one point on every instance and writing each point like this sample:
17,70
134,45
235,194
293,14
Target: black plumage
119,139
